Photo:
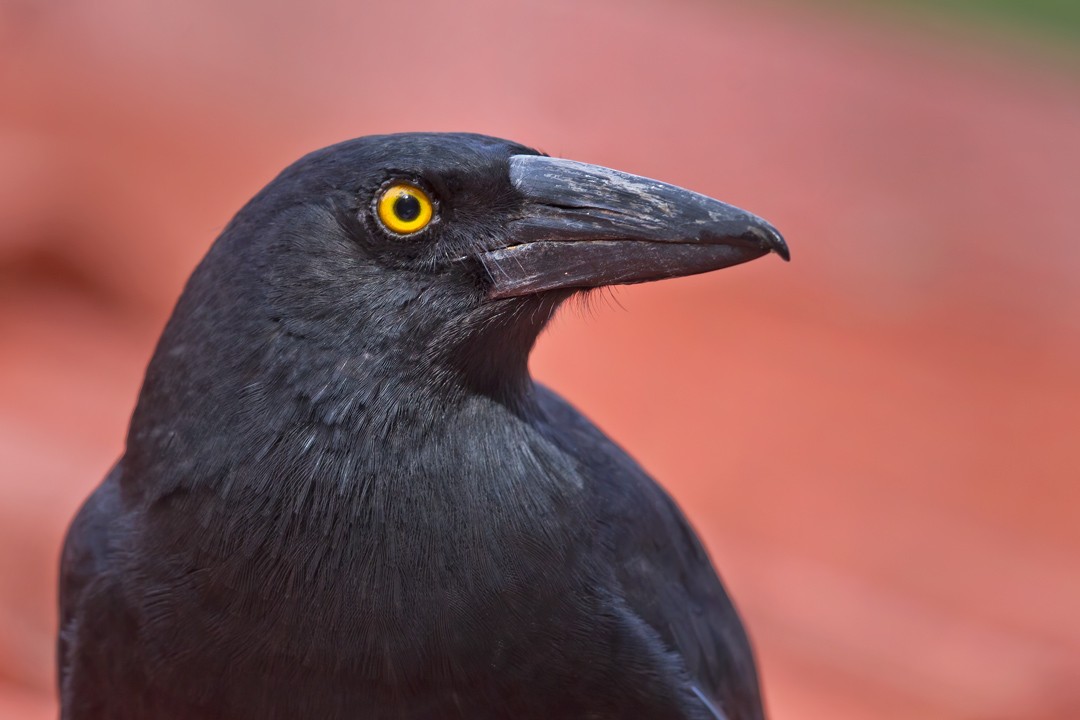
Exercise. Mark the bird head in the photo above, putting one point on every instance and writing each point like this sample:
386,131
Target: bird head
446,253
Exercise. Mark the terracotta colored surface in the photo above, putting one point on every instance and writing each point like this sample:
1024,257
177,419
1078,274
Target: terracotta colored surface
879,441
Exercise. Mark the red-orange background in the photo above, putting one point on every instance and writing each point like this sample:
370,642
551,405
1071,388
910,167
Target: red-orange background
880,442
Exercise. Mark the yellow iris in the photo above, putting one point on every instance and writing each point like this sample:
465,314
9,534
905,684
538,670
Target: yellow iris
405,209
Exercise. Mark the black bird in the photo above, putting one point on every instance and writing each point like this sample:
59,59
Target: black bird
343,497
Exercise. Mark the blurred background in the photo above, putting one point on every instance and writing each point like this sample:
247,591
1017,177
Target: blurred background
879,442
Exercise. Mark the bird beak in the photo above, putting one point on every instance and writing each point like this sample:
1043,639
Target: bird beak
585,226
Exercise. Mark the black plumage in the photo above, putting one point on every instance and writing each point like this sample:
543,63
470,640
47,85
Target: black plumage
342,496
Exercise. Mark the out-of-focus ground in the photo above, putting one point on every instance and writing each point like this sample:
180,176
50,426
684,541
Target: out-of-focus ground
880,442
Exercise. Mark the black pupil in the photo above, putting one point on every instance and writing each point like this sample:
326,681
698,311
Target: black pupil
407,207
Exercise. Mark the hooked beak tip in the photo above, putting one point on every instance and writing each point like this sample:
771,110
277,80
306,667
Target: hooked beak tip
771,240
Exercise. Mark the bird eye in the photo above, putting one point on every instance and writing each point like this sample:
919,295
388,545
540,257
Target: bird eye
404,209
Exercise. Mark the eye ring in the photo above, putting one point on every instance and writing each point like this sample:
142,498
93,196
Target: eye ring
404,208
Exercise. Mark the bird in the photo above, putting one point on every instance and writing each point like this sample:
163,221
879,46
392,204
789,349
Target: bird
342,495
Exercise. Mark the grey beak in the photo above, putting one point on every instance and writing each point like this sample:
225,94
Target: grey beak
585,226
